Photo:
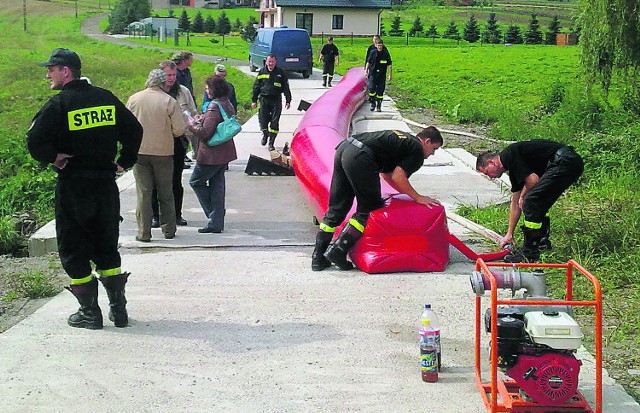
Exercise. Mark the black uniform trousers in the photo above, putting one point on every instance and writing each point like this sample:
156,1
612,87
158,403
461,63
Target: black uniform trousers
355,174
328,69
179,152
87,224
376,85
563,170
269,113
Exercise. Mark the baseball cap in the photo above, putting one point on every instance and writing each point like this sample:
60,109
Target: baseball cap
221,69
330,38
63,57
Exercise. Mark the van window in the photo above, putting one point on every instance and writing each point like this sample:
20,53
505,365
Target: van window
293,37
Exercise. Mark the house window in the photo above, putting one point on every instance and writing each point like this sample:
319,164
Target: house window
305,21
338,22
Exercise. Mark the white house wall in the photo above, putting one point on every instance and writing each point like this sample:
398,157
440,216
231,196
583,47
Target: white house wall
360,22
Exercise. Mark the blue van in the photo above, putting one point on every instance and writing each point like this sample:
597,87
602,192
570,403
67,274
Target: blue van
292,48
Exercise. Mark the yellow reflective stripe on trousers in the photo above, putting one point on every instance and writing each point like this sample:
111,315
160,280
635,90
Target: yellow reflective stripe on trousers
78,281
109,273
356,225
532,225
273,131
326,228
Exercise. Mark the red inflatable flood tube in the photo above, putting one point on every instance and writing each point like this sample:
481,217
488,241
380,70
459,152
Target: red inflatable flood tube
403,235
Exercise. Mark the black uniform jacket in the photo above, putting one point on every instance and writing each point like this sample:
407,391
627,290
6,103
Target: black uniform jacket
271,84
86,122
521,159
394,148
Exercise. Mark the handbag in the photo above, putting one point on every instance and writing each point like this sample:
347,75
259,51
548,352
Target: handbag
227,129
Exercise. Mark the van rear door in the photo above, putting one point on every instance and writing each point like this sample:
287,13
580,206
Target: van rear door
293,50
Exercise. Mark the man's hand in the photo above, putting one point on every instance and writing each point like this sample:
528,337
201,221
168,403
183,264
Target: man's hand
253,105
506,240
287,105
428,201
61,160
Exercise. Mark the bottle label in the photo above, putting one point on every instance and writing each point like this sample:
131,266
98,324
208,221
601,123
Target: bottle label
428,362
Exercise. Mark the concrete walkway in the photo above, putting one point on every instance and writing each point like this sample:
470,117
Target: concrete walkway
237,322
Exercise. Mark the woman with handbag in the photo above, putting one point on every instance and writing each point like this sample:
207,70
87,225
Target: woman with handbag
207,179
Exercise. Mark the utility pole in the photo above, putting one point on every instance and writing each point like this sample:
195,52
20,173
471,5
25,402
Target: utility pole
76,9
24,14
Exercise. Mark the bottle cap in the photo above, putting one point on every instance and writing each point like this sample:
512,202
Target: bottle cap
427,306
426,321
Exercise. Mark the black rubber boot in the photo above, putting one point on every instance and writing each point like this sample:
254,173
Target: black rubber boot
272,141
324,81
329,82
545,242
379,105
318,261
117,301
337,253
530,251
265,136
89,314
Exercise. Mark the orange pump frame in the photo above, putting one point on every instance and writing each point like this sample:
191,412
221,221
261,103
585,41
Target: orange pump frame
508,390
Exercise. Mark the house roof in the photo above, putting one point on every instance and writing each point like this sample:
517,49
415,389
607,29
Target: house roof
361,4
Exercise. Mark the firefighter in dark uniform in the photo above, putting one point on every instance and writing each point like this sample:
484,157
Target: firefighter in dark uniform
329,55
269,86
378,63
78,132
357,165
539,171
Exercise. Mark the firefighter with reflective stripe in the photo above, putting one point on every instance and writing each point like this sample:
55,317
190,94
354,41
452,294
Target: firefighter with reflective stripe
539,171
358,164
78,131
269,86
378,62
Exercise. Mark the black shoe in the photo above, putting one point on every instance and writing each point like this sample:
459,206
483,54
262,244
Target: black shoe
379,110
263,142
208,230
373,107
169,236
155,223
142,239
545,245
329,84
181,222
271,148
324,85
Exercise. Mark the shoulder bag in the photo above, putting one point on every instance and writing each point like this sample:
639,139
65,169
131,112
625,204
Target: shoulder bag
227,129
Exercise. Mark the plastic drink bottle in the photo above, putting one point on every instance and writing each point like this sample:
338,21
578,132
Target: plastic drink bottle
428,353
428,313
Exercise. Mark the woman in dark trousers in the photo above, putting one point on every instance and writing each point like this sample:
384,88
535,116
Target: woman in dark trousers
207,179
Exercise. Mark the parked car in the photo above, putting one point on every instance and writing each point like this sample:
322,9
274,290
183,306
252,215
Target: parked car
292,48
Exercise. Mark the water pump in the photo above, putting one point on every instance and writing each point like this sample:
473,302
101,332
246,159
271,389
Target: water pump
536,344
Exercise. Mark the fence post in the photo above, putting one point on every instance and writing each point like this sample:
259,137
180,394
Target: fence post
407,38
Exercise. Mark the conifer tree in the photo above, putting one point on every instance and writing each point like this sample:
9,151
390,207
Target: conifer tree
471,31
452,31
249,31
417,27
513,35
223,26
209,24
492,33
533,35
184,23
395,27
553,29
198,23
